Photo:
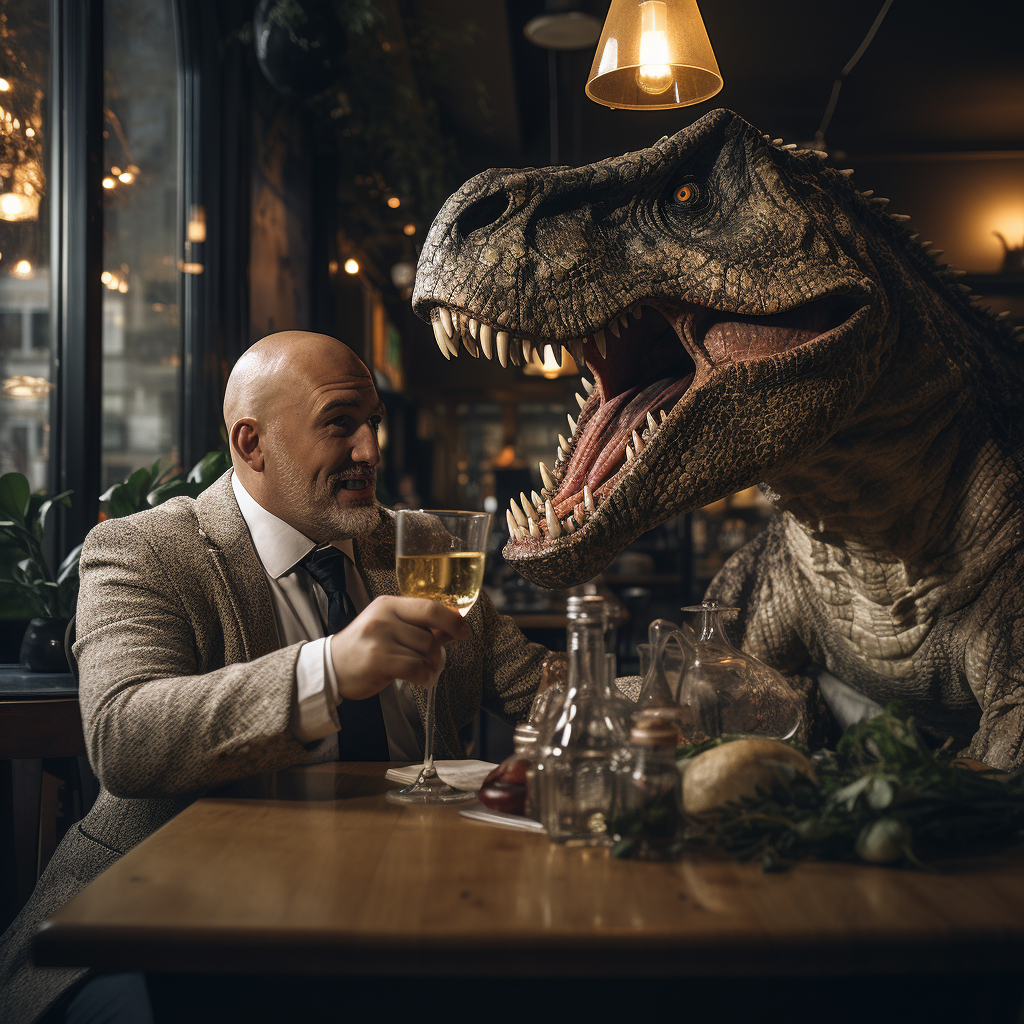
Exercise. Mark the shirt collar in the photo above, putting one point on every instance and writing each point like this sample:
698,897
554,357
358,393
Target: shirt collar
278,546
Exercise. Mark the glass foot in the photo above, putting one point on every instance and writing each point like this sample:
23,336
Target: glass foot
430,789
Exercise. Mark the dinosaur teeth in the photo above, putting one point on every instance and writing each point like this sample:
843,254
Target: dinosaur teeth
446,320
569,525
601,343
470,346
563,444
485,340
638,444
662,415
901,217
556,351
580,401
554,523
527,350
587,386
624,319
513,528
588,499
535,529
545,473
442,341
651,423
515,351
528,509
847,172
502,342
776,142
613,326
536,498
517,513
789,145
576,348
629,454
474,326
637,311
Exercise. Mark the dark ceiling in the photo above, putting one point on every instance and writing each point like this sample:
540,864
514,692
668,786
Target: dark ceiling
936,77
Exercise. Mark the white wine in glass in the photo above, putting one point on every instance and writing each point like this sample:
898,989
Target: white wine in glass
439,556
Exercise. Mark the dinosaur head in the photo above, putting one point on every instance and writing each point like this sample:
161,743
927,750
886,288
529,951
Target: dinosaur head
713,286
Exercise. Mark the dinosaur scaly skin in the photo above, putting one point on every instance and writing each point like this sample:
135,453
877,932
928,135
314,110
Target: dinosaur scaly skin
751,317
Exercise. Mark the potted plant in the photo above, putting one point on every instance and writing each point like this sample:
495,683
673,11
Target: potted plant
48,597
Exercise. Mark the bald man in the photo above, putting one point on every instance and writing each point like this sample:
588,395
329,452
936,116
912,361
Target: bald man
203,644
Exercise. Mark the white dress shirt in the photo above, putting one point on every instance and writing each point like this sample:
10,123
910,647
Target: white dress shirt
300,608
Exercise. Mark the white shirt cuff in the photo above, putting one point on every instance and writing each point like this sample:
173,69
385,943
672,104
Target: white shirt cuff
314,710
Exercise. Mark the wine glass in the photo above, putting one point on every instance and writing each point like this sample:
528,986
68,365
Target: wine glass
439,556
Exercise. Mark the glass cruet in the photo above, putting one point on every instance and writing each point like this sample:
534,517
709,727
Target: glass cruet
723,690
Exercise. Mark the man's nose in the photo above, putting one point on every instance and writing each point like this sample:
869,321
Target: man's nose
366,449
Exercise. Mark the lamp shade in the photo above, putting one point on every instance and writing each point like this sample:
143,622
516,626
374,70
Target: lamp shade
653,55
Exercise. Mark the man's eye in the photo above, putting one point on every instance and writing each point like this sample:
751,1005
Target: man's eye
375,423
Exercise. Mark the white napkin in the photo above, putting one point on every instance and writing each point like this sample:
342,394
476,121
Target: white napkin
465,774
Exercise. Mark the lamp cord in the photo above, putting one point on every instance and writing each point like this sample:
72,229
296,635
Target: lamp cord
819,135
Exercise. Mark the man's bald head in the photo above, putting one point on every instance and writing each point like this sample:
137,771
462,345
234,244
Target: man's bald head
302,416
269,370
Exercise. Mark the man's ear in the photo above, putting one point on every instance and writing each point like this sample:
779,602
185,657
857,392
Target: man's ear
245,441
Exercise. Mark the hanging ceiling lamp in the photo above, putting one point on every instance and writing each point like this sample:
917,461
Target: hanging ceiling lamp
653,55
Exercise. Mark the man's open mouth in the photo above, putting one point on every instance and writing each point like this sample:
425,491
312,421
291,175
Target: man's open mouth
645,362
359,483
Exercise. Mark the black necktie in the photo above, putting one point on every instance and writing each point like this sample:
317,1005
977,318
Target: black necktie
362,736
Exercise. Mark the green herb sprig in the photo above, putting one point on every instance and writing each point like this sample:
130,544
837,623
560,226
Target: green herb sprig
883,797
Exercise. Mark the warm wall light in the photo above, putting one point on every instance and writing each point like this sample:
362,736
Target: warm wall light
196,229
653,56
22,386
351,266
23,269
548,366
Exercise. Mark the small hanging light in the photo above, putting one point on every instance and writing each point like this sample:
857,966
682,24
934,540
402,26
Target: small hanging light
653,55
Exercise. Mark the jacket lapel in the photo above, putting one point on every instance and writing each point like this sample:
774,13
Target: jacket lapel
227,538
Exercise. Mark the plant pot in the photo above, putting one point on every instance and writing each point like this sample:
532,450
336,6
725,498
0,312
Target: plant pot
42,648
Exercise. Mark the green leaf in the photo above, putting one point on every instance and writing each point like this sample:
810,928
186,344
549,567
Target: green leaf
64,498
118,502
137,486
70,564
174,489
14,496
21,599
211,466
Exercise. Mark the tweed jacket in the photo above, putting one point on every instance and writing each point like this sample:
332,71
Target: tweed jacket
184,687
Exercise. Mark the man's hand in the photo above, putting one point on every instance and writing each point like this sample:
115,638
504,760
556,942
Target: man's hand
393,638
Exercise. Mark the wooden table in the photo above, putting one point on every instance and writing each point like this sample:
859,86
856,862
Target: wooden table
313,872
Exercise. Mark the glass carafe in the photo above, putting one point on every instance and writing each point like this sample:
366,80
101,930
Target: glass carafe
723,690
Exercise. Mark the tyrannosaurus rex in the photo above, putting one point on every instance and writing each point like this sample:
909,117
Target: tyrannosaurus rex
750,317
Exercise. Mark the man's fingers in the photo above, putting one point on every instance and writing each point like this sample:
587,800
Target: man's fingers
419,611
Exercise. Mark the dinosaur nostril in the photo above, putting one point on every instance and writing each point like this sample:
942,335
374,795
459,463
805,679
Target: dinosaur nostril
481,213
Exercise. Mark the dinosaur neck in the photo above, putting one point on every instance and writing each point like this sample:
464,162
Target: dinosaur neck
915,479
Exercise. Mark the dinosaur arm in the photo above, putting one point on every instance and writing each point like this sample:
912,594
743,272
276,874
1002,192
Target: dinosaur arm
994,662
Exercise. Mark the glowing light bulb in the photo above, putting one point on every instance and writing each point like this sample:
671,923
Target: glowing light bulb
409,229
126,176
394,202
4,85
654,75
23,268
108,183
12,206
351,266
106,276
30,133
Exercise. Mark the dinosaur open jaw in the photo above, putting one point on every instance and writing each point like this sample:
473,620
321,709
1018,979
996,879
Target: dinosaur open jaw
645,360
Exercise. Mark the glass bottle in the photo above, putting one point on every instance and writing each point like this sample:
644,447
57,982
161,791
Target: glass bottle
651,821
581,760
507,787
724,690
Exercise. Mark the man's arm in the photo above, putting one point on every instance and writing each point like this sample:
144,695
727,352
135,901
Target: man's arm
512,665
155,723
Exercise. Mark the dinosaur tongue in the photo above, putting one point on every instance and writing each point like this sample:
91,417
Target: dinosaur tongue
599,452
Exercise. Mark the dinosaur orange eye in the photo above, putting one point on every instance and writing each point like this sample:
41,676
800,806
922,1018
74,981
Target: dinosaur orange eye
686,193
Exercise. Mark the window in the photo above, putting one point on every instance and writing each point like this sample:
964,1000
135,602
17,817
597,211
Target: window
25,204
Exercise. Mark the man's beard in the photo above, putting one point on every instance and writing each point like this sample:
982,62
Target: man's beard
317,512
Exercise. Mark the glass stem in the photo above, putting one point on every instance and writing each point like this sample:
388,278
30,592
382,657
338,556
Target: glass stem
428,735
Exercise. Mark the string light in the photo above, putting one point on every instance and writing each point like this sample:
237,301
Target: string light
23,269
351,266
409,229
394,202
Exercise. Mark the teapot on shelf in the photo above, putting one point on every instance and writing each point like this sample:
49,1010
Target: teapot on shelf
708,687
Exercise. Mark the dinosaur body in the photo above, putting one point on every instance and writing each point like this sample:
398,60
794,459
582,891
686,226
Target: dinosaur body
750,317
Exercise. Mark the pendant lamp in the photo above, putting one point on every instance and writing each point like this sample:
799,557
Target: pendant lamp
653,55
